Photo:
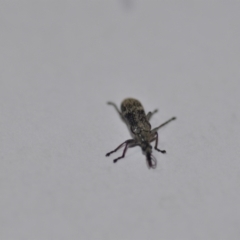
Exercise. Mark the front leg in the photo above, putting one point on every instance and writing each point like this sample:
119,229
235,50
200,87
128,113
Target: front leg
127,143
156,144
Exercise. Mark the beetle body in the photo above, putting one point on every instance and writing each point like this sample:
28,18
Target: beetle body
133,114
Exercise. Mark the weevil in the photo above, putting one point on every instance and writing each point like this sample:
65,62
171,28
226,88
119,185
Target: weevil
133,114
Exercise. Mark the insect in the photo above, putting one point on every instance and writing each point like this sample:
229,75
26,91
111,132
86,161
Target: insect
133,114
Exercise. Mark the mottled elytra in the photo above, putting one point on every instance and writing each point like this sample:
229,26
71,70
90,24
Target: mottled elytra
133,114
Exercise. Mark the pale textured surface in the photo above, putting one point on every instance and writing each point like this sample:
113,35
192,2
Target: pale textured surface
61,61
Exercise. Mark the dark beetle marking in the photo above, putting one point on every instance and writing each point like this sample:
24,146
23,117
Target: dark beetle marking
132,112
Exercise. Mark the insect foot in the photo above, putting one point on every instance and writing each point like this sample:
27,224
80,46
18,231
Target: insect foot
133,114
162,151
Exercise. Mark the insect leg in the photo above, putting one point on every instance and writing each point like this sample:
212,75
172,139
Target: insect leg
149,115
163,124
115,106
156,144
127,143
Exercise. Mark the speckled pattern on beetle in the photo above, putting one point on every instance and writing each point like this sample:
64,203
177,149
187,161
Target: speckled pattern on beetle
133,114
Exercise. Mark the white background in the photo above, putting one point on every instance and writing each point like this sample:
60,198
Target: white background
61,61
